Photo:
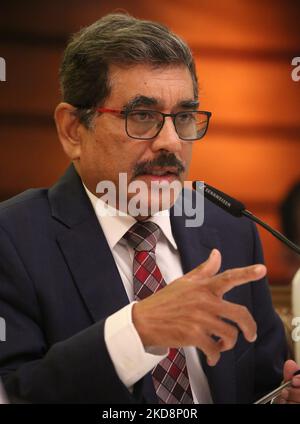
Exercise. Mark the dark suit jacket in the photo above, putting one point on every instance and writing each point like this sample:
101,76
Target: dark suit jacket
59,282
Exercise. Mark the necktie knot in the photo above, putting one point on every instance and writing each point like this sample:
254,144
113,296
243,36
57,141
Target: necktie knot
143,236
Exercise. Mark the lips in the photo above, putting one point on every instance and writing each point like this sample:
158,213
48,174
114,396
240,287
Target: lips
161,171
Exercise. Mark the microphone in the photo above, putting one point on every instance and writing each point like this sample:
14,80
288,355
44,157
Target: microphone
238,209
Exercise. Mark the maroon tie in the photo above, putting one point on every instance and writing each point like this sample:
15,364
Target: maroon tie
170,376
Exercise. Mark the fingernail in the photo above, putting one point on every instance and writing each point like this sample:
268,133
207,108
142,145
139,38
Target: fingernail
212,253
253,338
259,269
285,394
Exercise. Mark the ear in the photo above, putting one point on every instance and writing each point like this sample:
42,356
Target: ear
68,129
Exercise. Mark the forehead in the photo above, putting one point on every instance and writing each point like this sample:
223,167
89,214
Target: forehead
167,84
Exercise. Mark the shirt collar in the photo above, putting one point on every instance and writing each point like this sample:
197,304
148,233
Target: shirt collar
115,226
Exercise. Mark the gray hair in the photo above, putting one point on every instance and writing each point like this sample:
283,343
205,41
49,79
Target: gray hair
115,39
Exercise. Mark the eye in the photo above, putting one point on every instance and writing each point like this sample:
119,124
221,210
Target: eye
185,117
142,116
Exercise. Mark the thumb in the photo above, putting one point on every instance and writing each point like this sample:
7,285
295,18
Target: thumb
208,268
289,368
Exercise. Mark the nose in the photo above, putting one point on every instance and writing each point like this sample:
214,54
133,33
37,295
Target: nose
167,139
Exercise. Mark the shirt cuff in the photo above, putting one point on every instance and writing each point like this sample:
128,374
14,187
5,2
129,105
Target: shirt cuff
131,359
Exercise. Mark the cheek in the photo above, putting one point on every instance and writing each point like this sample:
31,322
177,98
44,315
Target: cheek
114,153
107,145
98,157
109,151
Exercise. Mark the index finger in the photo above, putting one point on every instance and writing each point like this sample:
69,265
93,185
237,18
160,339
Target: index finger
222,283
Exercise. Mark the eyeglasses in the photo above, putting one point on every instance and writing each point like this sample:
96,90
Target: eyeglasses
147,124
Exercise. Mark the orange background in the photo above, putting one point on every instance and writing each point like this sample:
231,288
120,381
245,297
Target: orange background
243,51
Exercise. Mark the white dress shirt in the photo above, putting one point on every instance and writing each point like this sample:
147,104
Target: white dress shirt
3,398
130,358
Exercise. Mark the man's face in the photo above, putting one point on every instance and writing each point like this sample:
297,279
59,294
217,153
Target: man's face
107,150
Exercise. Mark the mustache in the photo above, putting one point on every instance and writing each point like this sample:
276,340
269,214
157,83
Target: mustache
164,160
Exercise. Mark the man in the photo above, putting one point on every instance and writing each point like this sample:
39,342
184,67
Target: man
123,308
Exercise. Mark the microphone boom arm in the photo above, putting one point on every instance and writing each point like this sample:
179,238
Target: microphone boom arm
275,233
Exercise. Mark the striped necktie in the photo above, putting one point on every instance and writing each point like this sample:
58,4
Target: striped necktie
170,376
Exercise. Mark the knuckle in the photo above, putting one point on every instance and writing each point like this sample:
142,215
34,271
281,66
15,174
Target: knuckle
194,329
207,301
227,275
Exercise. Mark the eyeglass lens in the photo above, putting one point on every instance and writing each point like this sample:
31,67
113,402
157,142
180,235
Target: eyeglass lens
190,125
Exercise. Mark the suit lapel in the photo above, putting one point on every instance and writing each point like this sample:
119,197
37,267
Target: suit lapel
194,245
93,268
85,248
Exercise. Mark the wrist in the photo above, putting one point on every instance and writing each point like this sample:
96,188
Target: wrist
140,323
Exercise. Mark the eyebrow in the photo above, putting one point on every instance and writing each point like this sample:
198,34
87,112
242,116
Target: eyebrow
189,104
140,101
